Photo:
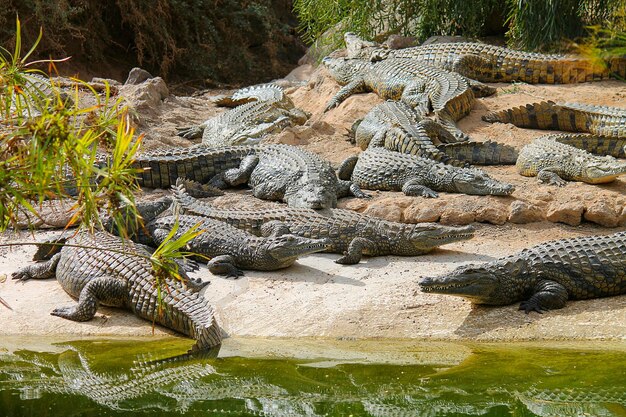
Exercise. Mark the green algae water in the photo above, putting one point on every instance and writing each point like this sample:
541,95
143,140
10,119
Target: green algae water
292,378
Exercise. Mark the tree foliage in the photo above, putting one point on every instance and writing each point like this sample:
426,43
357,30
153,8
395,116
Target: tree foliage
529,24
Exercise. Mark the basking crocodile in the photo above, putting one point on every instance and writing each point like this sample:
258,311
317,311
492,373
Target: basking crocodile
553,161
230,249
103,268
348,232
382,169
398,127
571,117
274,172
490,63
259,110
544,276
423,87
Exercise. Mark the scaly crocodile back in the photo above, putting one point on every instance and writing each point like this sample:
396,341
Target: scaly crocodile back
161,168
498,64
105,255
447,91
588,267
571,117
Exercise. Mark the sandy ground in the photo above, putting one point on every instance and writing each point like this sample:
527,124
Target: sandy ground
377,298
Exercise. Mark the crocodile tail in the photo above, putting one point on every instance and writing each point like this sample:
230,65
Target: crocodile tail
542,115
181,310
598,145
347,167
481,153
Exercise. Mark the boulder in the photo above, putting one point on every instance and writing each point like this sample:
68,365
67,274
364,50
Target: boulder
568,212
420,212
137,76
603,212
524,212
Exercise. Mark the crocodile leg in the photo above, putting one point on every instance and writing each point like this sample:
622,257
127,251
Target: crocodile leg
549,295
435,131
414,95
473,67
479,89
353,87
355,251
236,176
449,123
548,176
255,134
42,270
414,188
191,132
347,188
347,167
224,265
97,289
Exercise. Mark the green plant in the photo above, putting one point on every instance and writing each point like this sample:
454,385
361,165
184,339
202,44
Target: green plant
49,149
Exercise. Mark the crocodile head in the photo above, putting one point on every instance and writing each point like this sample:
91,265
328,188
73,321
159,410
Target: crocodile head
282,251
477,182
479,284
417,239
601,170
316,197
344,70
358,47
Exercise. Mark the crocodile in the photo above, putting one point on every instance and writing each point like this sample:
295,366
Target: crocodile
447,94
382,169
398,127
349,233
231,249
542,277
274,172
490,63
101,268
572,117
553,161
258,111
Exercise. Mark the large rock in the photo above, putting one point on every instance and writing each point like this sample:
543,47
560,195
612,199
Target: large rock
568,212
494,212
524,212
427,211
148,94
457,216
604,213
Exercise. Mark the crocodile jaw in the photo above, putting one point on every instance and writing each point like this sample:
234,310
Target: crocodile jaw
436,235
288,251
473,282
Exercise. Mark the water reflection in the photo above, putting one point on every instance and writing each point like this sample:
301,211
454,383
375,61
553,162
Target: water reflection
108,378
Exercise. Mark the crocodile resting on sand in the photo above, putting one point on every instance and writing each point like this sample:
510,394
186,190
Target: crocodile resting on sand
258,111
490,63
552,160
544,276
422,87
101,268
382,169
348,232
398,127
571,117
230,249
274,172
